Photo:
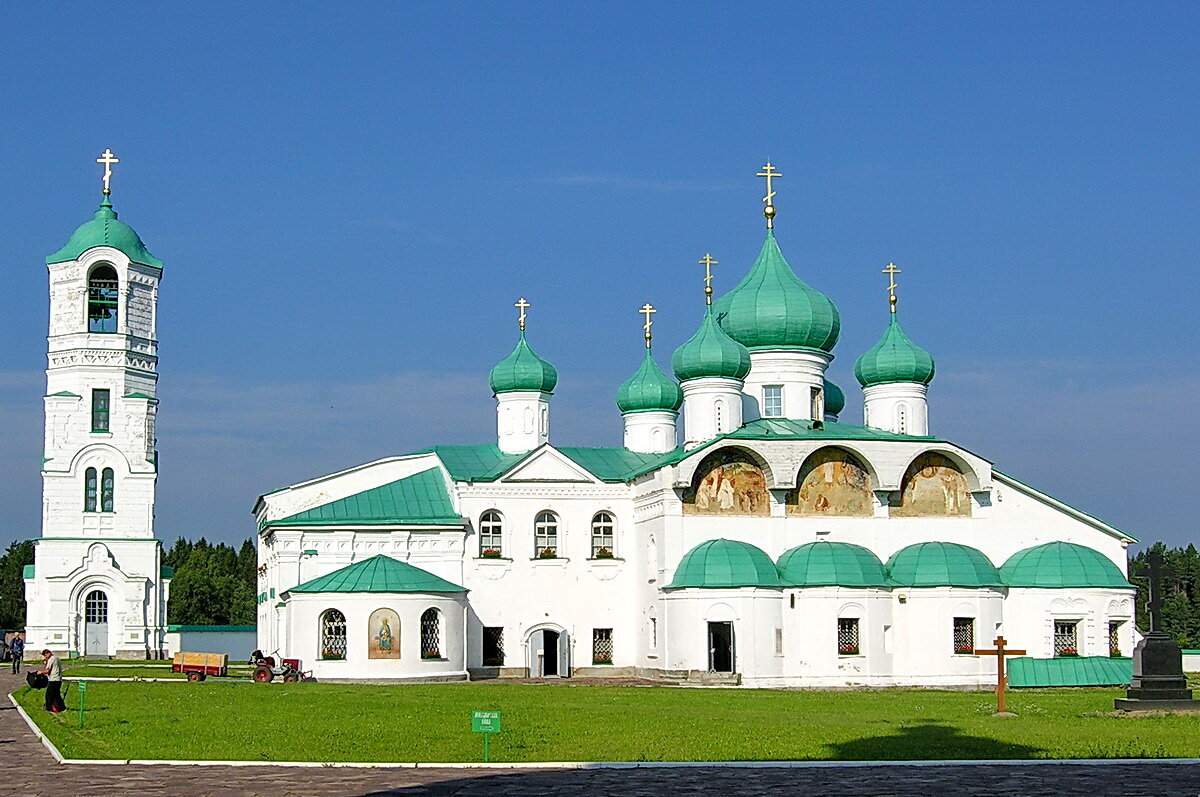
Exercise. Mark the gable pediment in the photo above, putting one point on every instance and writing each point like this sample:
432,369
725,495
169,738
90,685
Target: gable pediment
548,465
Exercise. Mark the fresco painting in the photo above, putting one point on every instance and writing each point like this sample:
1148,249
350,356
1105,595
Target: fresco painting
728,483
384,637
933,486
832,483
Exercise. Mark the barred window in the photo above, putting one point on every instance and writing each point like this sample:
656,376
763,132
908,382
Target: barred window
602,646
545,535
106,490
1066,638
95,607
431,634
772,401
89,490
493,647
333,635
602,536
102,299
848,636
1114,637
491,531
964,634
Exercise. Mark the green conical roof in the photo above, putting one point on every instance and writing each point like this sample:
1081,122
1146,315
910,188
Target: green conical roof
649,389
710,352
895,358
831,564
725,563
772,308
835,399
523,370
105,230
942,564
1061,564
378,574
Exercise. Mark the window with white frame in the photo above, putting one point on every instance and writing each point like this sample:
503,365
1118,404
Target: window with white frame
772,401
602,536
1066,637
545,535
491,533
964,635
848,636
333,634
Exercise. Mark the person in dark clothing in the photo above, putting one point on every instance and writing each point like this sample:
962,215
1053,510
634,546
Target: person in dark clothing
17,647
52,669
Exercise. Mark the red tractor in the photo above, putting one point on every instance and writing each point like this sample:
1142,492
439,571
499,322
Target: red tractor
265,669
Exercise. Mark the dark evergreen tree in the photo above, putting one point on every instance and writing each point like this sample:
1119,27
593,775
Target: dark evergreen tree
12,584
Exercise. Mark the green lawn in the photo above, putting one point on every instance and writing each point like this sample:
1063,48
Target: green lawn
331,722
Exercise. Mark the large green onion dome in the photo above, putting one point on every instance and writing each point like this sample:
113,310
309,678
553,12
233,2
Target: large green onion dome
942,564
710,352
105,230
835,399
772,308
725,563
523,370
649,390
1062,564
831,564
895,358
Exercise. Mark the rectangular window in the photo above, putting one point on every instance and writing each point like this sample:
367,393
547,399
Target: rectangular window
602,646
1066,637
89,490
818,403
778,641
964,635
654,633
493,647
1114,638
99,410
848,636
772,401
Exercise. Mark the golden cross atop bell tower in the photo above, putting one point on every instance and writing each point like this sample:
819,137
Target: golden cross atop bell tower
891,271
108,159
708,261
521,304
769,208
647,310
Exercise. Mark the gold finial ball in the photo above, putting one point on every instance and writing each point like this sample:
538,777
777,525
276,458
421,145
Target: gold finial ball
769,211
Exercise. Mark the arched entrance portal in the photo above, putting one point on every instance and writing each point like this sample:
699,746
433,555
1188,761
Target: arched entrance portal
548,653
95,624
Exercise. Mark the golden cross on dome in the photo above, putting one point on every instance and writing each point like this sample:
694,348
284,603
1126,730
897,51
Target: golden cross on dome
647,310
108,159
769,210
708,261
891,271
521,305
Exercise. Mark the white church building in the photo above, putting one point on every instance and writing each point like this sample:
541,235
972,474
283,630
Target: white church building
776,546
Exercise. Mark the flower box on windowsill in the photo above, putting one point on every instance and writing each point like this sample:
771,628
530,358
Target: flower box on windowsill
603,553
547,553
332,657
848,650
602,662
491,553
1068,653
1115,653
433,657
493,558
964,651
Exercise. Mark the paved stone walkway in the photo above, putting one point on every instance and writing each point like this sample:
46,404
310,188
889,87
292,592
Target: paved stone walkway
28,769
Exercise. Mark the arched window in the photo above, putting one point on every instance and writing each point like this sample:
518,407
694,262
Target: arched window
106,490
102,299
95,607
431,634
89,490
491,534
333,635
545,535
602,536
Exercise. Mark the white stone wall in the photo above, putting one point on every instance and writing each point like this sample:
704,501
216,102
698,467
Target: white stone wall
522,420
650,432
799,372
899,407
711,406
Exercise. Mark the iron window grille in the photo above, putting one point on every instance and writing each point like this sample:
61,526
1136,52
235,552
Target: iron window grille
493,647
1066,637
100,414
106,490
89,490
602,536
102,300
773,401
848,636
1114,638
602,646
333,635
431,635
545,533
964,634
95,608
491,532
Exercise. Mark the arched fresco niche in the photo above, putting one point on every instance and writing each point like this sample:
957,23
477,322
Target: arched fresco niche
832,482
383,640
728,482
933,486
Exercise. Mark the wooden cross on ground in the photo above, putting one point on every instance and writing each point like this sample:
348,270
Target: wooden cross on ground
1001,679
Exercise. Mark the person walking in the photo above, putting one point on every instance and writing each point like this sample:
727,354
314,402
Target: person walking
52,669
17,648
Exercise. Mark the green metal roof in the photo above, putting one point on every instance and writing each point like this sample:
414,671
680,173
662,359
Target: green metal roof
710,352
27,571
835,399
211,629
725,563
378,574
1070,671
420,499
483,463
166,572
523,370
831,564
105,230
1062,564
137,396
895,358
649,389
65,394
772,308
616,464
942,564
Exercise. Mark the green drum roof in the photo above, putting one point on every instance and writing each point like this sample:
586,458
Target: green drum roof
895,358
1062,564
725,563
523,370
942,564
835,399
649,390
105,230
378,574
1070,671
710,352
831,564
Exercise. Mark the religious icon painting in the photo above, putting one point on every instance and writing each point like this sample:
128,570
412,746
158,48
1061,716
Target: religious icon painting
384,636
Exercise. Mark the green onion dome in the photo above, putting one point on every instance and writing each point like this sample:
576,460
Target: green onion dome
772,308
942,564
835,399
725,563
649,390
105,230
831,564
895,358
1062,564
523,370
710,352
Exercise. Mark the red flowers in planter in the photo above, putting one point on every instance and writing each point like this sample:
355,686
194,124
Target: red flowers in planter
848,650
490,553
603,553
547,553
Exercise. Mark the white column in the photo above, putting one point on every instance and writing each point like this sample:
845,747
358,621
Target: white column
522,420
650,432
898,407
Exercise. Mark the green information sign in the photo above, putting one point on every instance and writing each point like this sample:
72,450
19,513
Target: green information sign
487,723
82,700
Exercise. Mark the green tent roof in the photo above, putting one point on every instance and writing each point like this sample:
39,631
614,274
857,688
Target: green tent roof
378,574
1062,564
420,499
831,564
725,563
649,390
710,353
105,230
523,370
1070,671
895,358
942,564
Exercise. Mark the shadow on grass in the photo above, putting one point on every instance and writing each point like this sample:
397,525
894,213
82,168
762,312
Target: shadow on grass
929,741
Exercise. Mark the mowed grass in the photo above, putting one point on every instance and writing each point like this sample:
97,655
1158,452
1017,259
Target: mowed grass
229,720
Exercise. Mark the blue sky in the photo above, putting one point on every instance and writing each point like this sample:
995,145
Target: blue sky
349,199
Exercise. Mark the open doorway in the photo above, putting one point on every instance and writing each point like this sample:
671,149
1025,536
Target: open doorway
549,654
720,647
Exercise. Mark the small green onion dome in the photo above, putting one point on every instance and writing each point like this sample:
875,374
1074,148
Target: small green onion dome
1062,564
772,308
649,390
105,230
725,563
835,399
523,370
895,358
831,564
942,564
710,352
